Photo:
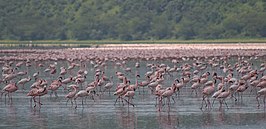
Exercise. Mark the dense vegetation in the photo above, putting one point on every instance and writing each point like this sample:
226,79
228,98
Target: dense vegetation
131,19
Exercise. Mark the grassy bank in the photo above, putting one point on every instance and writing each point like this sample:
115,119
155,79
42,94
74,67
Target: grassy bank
92,43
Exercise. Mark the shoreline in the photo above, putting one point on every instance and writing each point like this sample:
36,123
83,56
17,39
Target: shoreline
135,51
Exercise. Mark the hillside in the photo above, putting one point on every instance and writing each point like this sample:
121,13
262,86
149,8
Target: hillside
131,19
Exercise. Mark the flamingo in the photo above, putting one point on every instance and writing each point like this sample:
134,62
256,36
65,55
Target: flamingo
8,89
23,82
206,93
67,80
179,85
71,94
168,93
109,85
261,92
216,94
10,76
158,92
37,91
195,86
82,94
54,86
222,96
35,75
63,71
241,88
130,95
144,84
119,93
136,85
262,83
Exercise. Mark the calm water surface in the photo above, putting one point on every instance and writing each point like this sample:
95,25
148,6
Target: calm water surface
103,114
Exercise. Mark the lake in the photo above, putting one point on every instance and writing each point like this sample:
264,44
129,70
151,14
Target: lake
185,112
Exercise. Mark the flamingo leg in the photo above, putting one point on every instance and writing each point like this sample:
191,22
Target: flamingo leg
31,102
160,104
209,103
55,93
173,99
82,102
40,101
117,99
51,94
225,104
213,101
71,100
10,96
156,98
34,101
257,98
192,92
203,100
128,102
67,101
5,97
220,104
264,101
75,103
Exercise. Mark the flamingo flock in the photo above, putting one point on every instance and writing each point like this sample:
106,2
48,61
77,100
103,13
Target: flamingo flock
166,79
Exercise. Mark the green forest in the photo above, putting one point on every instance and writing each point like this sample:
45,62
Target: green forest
131,19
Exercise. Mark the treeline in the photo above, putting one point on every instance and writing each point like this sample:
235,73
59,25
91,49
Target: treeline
131,19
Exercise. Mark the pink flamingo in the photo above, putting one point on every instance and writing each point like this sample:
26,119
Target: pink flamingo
119,93
242,87
206,93
23,82
35,75
67,80
63,71
71,94
130,95
82,94
179,85
168,93
158,92
54,86
144,84
261,92
8,89
222,96
195,86
37,91
109,85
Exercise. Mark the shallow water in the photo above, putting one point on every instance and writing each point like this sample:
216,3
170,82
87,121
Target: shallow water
103,114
